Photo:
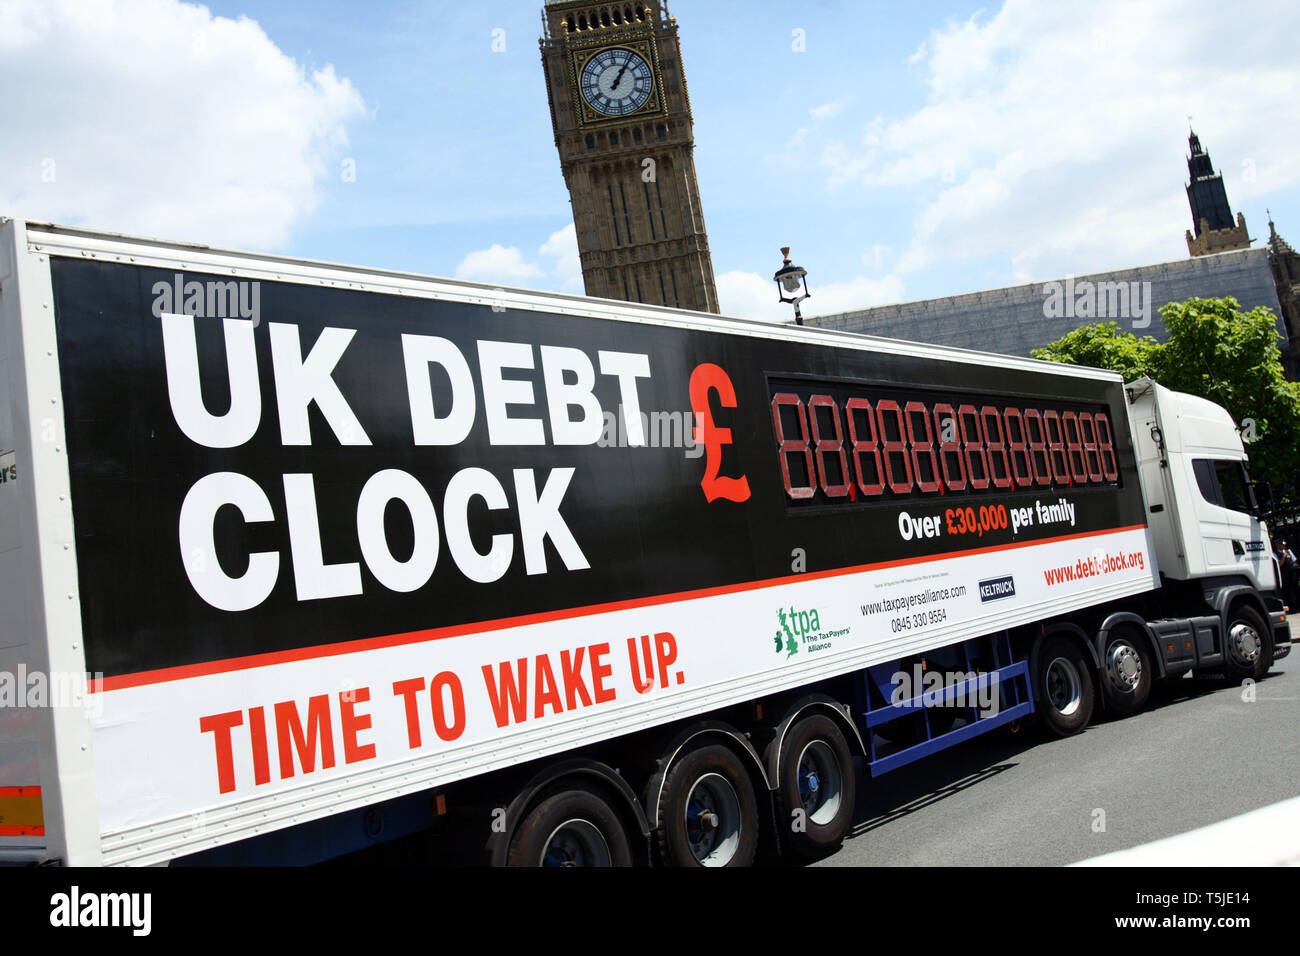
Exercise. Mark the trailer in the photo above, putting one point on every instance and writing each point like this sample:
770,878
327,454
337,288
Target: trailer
299,558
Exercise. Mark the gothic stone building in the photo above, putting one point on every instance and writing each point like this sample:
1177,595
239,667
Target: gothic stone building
1016,319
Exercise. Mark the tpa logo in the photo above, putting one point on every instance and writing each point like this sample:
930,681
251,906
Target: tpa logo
795,625
802,630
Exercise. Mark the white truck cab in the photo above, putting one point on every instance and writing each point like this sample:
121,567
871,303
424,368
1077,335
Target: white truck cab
1204,517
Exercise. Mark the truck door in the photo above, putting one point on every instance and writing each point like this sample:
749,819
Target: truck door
1233,540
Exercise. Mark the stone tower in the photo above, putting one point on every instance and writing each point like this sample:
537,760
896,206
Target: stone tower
1211,215
623,127
1285,263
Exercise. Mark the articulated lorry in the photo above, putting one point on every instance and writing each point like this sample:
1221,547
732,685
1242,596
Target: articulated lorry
298,558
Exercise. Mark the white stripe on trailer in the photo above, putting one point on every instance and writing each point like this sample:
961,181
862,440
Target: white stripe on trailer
73,243
165,798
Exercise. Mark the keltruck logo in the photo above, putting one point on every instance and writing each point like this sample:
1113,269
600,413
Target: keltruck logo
75,908
996,588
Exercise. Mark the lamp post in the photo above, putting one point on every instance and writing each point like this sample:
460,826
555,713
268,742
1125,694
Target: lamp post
793,280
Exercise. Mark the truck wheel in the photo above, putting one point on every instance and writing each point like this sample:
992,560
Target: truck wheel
816,787
708,814
571,828
1249,645
1063,686
1127,672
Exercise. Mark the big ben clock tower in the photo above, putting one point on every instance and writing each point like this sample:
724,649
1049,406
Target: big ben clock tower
622,121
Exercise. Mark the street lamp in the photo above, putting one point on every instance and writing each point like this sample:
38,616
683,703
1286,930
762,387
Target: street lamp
791,279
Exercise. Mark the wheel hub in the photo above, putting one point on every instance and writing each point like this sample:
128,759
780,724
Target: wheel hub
1125,665
1063,687
809,783
1243,644
819,783
713,820
576,843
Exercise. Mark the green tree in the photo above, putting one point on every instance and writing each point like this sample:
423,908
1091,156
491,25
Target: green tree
1103,345
1215,351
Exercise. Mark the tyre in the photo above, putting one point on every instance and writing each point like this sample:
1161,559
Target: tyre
1063,690
1127,671
816,787
708,815
571,828
1248,645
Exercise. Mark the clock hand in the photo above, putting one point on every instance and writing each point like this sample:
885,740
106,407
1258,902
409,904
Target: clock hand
619,78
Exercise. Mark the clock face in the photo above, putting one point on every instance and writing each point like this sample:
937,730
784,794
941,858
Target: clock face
616,81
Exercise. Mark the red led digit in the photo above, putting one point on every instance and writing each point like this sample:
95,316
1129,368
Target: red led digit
859,410
1091,457
1106,447
1056,447
1037,447
977,467
945,419
996,443
1074,449
825,446
894,448
1020,464
924,461
793,446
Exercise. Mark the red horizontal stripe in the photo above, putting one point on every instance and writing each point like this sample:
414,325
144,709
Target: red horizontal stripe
187,671
22,831
20,791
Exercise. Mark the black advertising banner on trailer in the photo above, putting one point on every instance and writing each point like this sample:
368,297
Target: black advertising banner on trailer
365,530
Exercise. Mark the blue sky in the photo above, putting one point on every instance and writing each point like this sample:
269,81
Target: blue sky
906,151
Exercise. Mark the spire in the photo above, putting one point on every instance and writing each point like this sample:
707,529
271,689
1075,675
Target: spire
1205,192
1276,244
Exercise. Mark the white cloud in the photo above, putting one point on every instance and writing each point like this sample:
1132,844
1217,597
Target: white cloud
154,117
560,270
562,246
1052,134
826,111
748,295
504,264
